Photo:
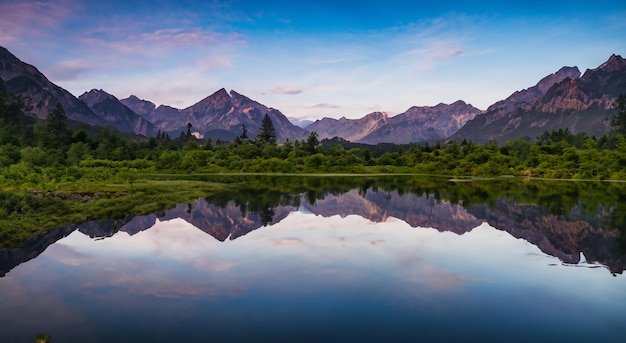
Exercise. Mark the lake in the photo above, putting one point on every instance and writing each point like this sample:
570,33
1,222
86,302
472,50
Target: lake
321,259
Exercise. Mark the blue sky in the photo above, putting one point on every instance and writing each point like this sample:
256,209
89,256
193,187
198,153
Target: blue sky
312,59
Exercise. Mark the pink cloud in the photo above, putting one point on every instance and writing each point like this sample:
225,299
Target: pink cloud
161,41
34,18
323,105
287,241
68,70
282,89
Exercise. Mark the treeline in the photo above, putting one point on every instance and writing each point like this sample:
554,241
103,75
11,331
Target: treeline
41,153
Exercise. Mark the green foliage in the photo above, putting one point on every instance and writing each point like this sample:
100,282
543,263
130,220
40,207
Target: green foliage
312,142
9,154
267,134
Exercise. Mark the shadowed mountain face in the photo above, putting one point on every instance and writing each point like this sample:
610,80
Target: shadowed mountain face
109,108
581,104
563,226
141,107
25,80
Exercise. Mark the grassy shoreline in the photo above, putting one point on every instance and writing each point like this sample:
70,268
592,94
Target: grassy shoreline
34,211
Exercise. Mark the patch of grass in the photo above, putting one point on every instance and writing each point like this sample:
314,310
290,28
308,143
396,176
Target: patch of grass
29,213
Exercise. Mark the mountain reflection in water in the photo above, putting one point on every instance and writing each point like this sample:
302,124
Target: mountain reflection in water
230,215
367,263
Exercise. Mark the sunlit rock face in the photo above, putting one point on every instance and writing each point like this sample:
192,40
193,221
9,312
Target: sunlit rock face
561,100
528,96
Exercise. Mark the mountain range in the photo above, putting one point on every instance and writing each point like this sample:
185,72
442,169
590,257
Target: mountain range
564,99
561,100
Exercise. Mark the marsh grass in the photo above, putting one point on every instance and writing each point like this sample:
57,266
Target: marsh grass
29,212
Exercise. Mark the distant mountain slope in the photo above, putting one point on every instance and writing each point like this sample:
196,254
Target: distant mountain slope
581,104
25,80
352,130
109,108
303,123
417,124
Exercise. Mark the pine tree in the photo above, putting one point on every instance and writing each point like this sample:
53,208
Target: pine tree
56,134
619,119
266,135
189,126
244,132
312,142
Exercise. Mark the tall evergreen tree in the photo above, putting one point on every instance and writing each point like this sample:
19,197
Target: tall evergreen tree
57,120
189,126
244,132
618,121
312,142
266,135
13,129
55,134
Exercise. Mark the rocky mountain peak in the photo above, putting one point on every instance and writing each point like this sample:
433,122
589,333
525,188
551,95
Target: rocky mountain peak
382,116
215,100
566,72
614,63
114,112
528,96
95,96
142,107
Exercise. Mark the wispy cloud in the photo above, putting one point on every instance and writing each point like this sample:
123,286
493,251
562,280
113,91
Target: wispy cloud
164,40
282,89
286,241
68,70
31,18
323,105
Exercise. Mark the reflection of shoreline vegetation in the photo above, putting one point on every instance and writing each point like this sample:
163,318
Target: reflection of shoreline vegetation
26,213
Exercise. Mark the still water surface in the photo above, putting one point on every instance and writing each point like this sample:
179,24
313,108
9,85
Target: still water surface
364,264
